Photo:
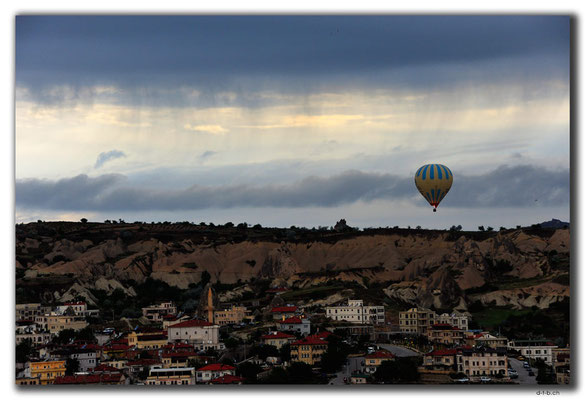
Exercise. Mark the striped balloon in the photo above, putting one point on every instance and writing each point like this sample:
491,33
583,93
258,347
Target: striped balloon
433,181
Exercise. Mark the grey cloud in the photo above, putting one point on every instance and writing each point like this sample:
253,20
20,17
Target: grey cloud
504,187
108,156
206,154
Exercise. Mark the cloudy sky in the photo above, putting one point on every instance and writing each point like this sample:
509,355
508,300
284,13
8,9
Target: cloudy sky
292,120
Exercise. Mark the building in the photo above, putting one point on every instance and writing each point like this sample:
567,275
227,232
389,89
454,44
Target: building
147,340
441,360
171,376
278,313
78,307
23,381
562,365
446,334
156,312
358,379
374,360
308,350
202,335
356,313
57,323
231,316
540,349
87,358
417,320
34,337
213,371
295,324
46,371
30,310
478,362
277,339
172,319
455,319
178,359
227,380
485,339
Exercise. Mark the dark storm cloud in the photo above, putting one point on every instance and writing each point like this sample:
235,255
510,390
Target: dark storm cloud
108,156
209,52
521,186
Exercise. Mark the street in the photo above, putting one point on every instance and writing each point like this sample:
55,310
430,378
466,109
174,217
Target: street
398,350
523,377
353,364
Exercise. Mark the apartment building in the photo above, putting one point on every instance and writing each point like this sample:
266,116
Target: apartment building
374,360
477,362
446,334
300,325
57,323
46,371
442,360
308,350
419,320
213,371
356,313
277,339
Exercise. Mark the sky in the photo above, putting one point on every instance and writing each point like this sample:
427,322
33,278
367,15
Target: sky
292,120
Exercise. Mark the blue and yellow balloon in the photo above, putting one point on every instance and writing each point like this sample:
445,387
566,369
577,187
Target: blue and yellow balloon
433,181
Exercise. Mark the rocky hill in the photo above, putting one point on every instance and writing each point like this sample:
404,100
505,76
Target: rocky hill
519,268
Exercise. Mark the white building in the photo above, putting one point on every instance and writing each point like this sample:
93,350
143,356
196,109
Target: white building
295,324
158,311
171,376
455,319
212,371
356,313
201,334
535,349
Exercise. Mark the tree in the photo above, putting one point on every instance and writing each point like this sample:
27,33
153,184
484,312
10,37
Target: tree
71,366
23,351
284,352
263,351
64,337
489,228
401,370
84,220
299,373
335,356
481,228
248,371
205,278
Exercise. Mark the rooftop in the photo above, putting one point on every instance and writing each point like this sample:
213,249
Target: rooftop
217,367
192,323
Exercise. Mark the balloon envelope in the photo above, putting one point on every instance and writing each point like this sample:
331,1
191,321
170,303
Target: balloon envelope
433,181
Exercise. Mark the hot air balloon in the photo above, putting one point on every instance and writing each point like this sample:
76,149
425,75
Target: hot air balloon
433,181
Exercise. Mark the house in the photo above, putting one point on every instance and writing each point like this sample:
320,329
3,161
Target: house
30,310
539,349
135,367
374,360
178,359
295,324
147,340
171,376
172,319
156,312
46,371
24,381
441,360
87,357
446,334
278,313
477,362
358,379
562,365
201,334
485,339
78,307
356,313
212,371
308,350
277,339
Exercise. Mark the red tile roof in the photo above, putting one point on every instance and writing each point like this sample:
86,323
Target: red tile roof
227,379
144,362
381,354
284,309
310,340
191,324
175,354
116,347
105,368
322,334
88,379
443,352
217,367
292,320
277,335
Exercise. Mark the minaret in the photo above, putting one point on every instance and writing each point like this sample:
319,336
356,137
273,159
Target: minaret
210,306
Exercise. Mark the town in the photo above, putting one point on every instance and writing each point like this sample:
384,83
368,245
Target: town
269,340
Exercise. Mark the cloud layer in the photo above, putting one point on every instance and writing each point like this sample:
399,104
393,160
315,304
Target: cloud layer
520,186
108,156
